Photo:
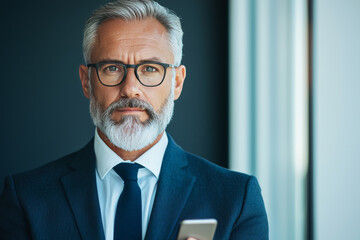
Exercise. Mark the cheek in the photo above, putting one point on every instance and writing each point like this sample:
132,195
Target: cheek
158,98
105,95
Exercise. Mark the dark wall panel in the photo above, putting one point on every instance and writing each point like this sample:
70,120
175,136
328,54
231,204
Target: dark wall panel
43,112
201,114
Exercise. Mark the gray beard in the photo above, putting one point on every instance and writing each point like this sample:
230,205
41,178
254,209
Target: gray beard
130,134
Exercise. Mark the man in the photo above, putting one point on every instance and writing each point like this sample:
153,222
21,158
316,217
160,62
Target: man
133,52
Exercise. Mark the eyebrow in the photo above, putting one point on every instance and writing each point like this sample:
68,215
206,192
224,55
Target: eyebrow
152,59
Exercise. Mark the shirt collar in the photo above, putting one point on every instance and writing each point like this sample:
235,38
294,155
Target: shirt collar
106,158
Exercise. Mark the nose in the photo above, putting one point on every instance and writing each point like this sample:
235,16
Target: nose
130,87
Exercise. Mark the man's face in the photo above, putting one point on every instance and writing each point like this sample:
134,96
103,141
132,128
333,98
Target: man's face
132,43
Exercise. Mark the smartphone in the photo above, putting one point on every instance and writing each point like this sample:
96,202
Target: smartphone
202,229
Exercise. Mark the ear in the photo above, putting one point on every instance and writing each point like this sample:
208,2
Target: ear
85,81
179,81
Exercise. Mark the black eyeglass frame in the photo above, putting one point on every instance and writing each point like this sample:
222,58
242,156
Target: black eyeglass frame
126,66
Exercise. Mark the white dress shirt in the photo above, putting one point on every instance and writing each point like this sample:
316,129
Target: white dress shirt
110,185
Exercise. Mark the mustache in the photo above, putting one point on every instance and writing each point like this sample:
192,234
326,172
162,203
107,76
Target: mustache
131,103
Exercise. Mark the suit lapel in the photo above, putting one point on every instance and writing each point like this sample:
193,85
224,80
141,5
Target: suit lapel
81,191
174,187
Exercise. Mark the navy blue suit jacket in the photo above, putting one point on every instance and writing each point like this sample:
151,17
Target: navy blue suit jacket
59,200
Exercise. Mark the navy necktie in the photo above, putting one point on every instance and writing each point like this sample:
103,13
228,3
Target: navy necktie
128,212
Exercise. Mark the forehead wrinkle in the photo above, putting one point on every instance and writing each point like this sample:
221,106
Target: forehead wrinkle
133,39
138,57
135,53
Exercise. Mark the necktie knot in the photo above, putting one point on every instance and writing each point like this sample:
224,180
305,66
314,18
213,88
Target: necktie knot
127,171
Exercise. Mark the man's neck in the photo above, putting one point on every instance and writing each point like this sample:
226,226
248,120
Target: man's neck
127,155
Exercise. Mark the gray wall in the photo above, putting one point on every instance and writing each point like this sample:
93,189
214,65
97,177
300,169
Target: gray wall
43,112
337,118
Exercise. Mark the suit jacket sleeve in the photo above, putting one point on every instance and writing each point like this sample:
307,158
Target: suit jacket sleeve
13,224
252,222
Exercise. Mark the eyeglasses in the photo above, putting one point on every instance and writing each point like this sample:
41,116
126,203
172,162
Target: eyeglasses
112,73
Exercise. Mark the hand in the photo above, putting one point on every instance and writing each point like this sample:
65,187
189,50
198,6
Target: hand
191,238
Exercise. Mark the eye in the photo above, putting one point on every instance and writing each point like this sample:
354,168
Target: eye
150,69
111,68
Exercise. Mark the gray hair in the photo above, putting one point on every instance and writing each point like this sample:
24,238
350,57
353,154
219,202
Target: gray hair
131,10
